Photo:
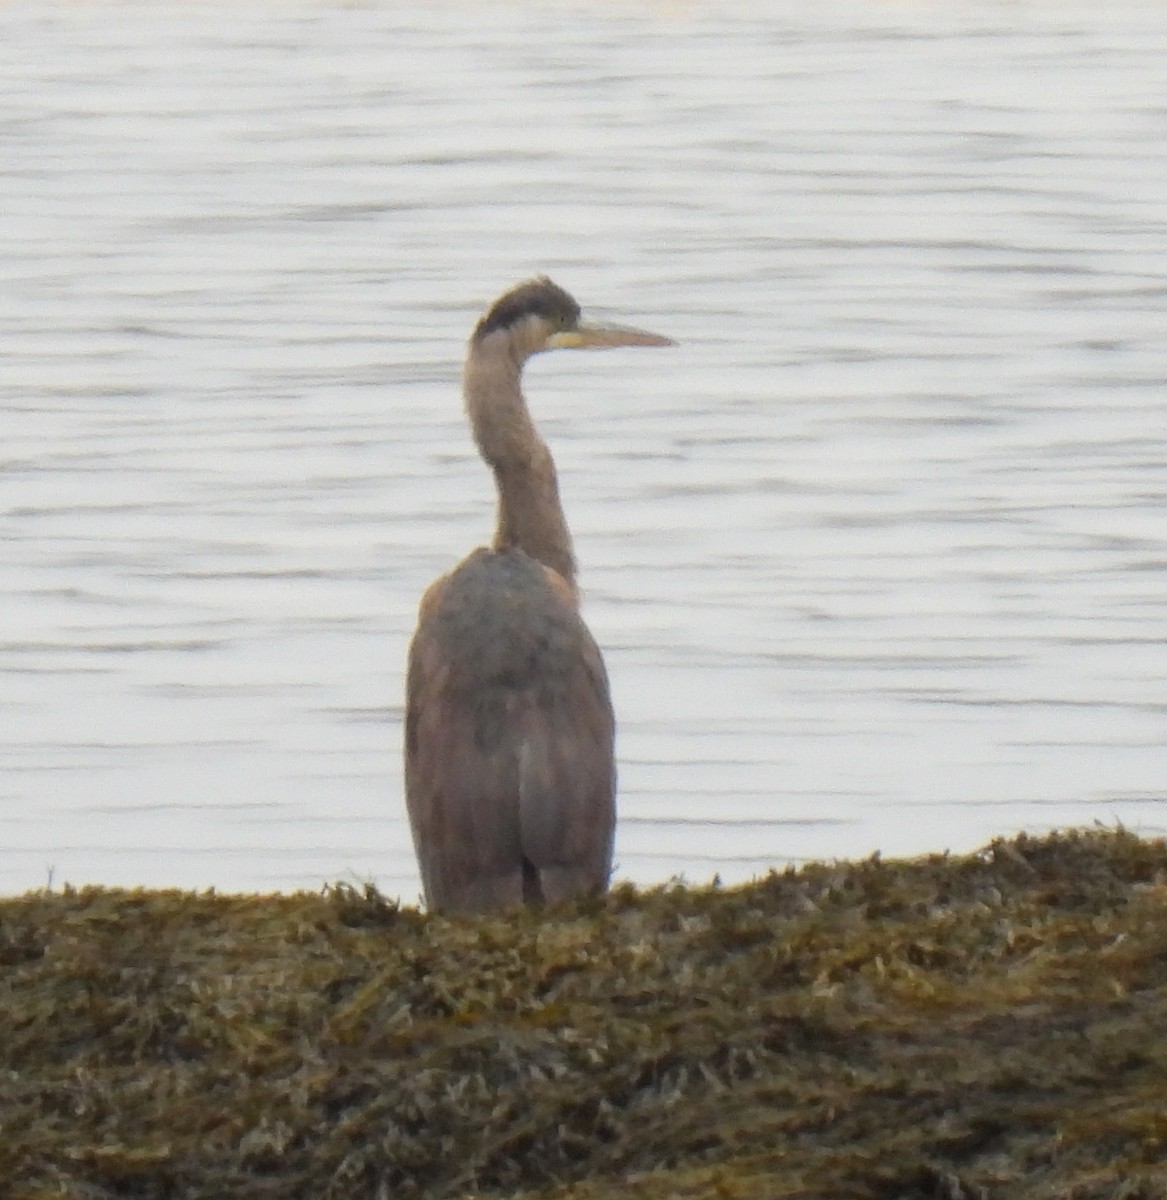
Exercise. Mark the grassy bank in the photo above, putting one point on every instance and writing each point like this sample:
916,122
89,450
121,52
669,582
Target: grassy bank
991,1025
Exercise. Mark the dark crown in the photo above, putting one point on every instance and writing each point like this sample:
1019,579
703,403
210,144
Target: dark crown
535,298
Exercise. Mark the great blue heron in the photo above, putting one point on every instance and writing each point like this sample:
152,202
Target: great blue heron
509,765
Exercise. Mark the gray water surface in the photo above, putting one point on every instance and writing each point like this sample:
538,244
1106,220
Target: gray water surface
878,555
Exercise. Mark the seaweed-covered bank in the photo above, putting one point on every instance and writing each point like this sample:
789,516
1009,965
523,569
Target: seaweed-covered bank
949,1027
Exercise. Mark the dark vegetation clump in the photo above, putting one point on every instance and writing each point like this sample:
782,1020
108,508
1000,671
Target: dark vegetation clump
941,1029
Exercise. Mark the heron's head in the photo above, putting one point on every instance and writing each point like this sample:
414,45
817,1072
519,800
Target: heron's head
539,315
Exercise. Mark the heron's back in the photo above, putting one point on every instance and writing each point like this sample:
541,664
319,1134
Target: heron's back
509,758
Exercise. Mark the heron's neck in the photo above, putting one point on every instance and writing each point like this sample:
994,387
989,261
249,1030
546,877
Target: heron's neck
530,516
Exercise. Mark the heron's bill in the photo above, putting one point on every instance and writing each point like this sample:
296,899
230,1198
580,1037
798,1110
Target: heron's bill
595,336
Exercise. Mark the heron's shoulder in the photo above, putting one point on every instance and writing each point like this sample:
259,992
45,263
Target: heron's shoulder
489,573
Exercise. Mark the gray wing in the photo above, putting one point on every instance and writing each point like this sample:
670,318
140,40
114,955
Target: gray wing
567,777
509,756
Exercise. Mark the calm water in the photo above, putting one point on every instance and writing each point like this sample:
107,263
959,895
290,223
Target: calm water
878,555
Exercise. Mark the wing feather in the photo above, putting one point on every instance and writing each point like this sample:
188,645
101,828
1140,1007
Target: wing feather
509,756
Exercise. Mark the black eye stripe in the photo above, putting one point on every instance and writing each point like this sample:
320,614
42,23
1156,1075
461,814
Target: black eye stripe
536,297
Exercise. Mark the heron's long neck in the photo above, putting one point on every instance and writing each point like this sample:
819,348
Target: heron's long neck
530,515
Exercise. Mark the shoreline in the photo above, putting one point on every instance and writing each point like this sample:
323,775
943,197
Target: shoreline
948,1026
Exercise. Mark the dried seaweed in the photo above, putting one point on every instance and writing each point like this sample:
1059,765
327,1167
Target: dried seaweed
948,1028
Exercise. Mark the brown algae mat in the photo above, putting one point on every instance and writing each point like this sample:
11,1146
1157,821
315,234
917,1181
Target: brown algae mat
950,1027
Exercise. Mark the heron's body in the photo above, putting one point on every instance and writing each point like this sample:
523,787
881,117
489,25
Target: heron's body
511,728
509,732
